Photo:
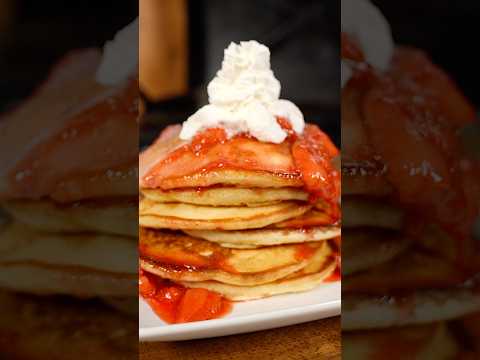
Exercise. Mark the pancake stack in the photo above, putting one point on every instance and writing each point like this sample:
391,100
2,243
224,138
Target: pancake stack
245,234
68,193
405,272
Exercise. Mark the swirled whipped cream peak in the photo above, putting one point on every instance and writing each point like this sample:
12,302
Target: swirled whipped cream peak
244,97
120,56
365,24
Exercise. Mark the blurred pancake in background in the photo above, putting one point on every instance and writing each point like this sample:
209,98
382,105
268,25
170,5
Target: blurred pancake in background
432,341
69,228
409,199
62,224
57,328
83,216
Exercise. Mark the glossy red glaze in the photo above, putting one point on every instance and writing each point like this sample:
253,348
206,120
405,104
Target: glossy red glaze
411,117
350,49
308,156
336,276
174,303
304,252
209,151
337,257
287,126
313,154
171,251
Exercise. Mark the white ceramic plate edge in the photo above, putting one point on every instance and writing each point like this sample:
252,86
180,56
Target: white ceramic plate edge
241,324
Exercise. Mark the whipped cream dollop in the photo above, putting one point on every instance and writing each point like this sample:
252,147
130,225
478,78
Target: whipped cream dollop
365,23
120,57
244,97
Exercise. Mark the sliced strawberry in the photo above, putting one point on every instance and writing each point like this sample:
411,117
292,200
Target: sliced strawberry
164,250
166,302
146,287
216,305
313,154
177,257
209,151
414,128
415,65
192,305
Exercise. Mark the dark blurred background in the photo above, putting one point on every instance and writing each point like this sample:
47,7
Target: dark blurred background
35,34
303,36
447,30
304,39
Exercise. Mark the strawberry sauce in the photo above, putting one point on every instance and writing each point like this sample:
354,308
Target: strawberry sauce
175,304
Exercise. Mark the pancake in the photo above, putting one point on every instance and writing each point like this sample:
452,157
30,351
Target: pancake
355,182
360,211
299,283
171,248
19,244
88,216
266,237
56,328
67,264
413,270
310,218
432,341
440,242
44,279
178,273
369,247
362,312
114,182
127,305
226,196
188,216
81,128
242,178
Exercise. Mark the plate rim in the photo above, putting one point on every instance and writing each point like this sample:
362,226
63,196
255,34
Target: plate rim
288,316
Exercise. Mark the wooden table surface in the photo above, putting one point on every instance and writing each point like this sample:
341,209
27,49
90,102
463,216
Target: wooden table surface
315,340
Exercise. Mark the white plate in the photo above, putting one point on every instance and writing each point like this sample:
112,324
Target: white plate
277,311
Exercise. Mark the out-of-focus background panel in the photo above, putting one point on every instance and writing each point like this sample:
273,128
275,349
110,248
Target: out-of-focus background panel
36,34
163,48
446,30
301,35
6,14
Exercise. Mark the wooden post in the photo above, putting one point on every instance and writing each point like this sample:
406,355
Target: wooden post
163,48
6,14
